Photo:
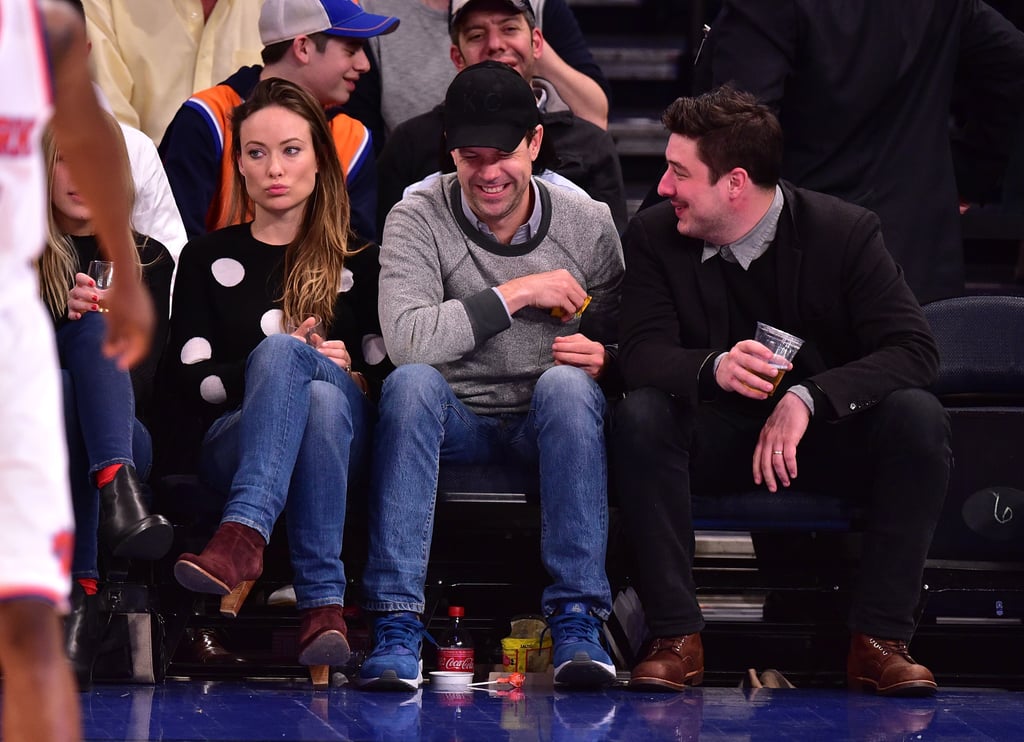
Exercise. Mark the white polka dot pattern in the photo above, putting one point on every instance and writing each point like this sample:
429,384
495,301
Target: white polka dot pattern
195,350
272,322
347,281
227,272
373,349
212,390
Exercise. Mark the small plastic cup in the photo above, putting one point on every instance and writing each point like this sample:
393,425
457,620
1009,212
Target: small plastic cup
313,336
783,347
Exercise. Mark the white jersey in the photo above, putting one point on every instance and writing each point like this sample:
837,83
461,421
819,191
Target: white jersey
35,505
25,107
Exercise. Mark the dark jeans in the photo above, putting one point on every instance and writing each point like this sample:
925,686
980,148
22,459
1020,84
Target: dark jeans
895,456
100,425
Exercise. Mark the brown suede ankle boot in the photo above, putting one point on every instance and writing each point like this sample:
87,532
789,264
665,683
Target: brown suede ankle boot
323,637
228,566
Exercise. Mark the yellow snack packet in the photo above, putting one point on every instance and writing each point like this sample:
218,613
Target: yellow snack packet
558,311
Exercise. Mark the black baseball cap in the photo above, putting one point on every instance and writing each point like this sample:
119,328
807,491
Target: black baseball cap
489,105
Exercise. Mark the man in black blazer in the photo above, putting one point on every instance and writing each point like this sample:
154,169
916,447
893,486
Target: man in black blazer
733,246
863,91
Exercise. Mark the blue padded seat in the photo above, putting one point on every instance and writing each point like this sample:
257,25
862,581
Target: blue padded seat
739,511
981,346
760,510
981,384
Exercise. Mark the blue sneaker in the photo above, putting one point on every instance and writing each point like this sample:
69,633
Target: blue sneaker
578,657
394,663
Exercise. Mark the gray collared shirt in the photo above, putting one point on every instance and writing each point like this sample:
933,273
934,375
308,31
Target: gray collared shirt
525,231
754,243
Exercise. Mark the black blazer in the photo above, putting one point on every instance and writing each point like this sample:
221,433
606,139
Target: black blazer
839,289
863,91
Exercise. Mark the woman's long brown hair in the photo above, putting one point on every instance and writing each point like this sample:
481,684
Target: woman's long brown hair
314,260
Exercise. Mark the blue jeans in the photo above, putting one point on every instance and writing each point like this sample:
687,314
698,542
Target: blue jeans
422,423
100,425
303,422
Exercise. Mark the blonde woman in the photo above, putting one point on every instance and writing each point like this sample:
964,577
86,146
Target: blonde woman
109,448
285,421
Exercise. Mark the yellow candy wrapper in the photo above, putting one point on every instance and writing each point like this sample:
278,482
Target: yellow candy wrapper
558,311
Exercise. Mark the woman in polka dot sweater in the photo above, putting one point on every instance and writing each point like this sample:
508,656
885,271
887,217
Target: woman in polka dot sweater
287,417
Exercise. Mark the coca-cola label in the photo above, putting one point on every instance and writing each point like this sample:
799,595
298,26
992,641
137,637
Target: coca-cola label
455,659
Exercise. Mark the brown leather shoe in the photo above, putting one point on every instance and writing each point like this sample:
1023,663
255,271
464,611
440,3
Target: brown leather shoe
886,667
205,648
671,664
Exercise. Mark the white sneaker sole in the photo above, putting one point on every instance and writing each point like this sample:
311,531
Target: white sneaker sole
389,680
584,673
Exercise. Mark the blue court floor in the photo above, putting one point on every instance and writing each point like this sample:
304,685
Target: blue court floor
290,710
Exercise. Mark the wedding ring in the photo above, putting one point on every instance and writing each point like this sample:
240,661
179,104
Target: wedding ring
776,453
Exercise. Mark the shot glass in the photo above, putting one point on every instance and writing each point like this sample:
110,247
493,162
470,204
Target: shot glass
102,272
783,347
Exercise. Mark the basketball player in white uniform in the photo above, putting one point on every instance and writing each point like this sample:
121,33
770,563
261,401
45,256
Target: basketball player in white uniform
35,509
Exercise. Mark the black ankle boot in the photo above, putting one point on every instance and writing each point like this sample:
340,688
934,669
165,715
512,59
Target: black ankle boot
84,629
126,527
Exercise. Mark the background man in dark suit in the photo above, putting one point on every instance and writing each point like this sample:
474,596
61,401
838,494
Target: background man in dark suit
863,91
733,246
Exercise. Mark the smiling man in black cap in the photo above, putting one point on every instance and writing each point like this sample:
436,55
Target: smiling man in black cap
485,274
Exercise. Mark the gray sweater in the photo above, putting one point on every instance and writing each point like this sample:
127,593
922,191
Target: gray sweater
437,303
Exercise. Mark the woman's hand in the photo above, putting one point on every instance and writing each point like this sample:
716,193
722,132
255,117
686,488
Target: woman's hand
337,352
83,297
308,331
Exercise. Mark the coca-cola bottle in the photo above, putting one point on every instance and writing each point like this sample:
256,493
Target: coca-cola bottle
455,648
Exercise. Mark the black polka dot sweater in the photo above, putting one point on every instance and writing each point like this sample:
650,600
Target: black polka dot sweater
227,300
